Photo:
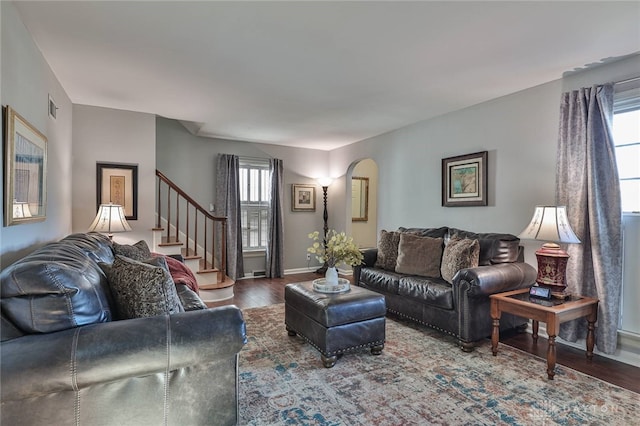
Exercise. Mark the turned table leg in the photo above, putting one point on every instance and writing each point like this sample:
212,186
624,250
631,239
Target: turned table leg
591,320
495,336
534,330
551,357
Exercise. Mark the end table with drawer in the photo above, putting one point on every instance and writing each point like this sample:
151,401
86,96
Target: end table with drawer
553,312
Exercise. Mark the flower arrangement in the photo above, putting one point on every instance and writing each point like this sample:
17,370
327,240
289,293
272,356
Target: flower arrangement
339,249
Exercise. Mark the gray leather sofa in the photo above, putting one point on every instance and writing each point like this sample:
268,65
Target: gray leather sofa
65,362
460,308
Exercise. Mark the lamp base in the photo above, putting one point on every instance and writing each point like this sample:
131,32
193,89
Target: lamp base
561,295
552,268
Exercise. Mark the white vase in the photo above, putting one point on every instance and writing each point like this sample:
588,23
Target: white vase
331,276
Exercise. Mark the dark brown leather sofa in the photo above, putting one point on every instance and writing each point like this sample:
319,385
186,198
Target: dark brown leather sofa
65,362
462,308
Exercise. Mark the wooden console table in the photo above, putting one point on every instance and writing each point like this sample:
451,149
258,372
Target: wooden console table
552,312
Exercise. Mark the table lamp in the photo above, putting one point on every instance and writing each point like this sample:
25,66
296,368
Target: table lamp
21,210
110,219
551,224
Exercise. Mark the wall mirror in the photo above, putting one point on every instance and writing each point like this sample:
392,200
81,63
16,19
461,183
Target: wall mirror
25,194
359,199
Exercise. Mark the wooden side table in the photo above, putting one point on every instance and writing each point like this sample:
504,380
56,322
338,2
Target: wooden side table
552,312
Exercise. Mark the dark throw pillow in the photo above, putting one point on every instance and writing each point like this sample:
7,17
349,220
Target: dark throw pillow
459,254
419,255
140,289
139,251
387,250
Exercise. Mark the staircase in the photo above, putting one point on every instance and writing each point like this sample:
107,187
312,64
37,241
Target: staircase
184,227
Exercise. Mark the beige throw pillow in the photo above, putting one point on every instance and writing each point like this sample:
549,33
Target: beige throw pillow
387,250
459,254
419,255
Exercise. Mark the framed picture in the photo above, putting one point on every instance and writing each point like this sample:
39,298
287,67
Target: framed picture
25,168
118,184
303,198
464,180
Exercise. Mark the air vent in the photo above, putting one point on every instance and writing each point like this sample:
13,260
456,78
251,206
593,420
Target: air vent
53,108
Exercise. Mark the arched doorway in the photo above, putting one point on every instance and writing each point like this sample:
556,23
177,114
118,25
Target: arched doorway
362,211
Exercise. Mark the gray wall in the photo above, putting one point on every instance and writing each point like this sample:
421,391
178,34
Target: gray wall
519,132
113,136
26,84
189,161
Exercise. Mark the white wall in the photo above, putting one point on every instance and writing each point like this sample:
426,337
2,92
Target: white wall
108,135
26,84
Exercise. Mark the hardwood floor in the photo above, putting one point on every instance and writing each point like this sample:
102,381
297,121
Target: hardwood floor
256,292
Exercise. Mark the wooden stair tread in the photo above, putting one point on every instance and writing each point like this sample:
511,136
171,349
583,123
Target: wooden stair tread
188,254
228,282
171,241
205,267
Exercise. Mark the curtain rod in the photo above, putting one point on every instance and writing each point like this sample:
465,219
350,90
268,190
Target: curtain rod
629,80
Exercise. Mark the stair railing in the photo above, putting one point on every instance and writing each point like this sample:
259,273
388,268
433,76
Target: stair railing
212,238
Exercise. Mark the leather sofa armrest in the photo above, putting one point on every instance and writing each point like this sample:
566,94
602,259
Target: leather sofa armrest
486,280
369,257
78,358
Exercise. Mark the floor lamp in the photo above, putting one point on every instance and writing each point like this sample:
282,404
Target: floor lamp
324,182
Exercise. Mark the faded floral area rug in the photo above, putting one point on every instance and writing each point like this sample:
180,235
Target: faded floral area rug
421,378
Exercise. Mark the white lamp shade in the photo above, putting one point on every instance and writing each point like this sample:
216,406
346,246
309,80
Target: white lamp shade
325,181
21,210
110,219
550,223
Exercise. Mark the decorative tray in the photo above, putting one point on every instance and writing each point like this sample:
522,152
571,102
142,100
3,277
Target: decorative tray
320,285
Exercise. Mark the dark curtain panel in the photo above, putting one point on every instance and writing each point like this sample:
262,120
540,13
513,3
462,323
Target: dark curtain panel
587,183
228,204
275,242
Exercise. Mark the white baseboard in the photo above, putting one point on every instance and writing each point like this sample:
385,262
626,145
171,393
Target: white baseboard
628,350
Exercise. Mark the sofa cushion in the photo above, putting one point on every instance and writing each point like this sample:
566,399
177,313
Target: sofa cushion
139,251
419,255
55,288
142,289
380,280
95,245
426,232
189,299
459,254
387,255
433,291
494,247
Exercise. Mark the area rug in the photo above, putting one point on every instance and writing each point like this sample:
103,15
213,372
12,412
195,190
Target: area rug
421,378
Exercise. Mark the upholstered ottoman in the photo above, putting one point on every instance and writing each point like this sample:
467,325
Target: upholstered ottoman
335,323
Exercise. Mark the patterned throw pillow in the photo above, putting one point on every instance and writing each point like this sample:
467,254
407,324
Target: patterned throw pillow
459,254
139,251
387,250
140,289
419,255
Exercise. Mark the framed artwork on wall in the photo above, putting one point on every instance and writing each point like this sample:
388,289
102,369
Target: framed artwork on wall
303,198
118,184
25,171
464,180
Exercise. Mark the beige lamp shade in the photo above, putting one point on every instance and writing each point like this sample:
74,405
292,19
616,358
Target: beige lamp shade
550,223
110,219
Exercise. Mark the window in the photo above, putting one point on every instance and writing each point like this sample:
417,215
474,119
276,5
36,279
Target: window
626,137
255,193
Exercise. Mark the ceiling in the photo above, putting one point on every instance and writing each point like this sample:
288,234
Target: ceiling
317,74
